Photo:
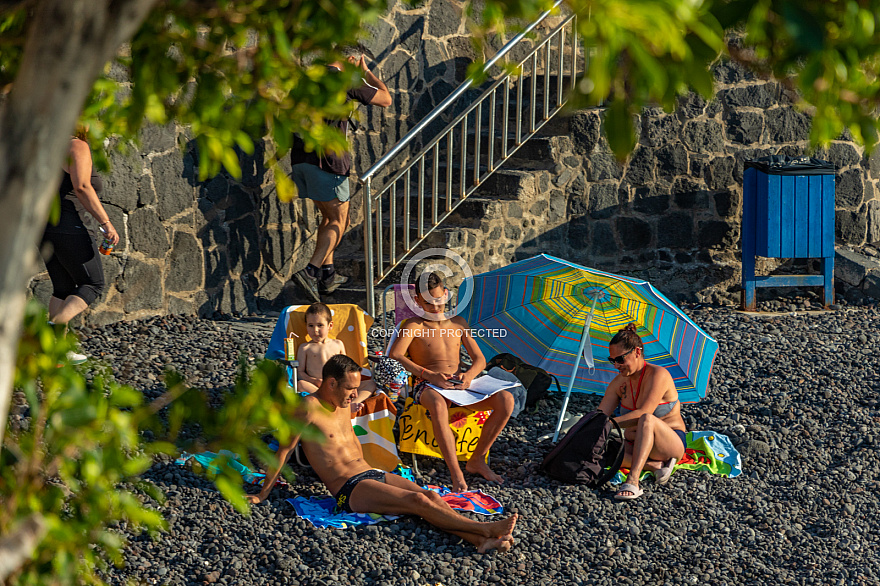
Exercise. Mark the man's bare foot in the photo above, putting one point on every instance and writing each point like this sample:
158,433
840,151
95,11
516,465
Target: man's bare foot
479,466
502,544
502,528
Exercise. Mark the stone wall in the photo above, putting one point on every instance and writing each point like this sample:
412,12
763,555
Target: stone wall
671,214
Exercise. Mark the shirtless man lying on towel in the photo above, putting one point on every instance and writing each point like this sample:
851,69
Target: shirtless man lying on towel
339,462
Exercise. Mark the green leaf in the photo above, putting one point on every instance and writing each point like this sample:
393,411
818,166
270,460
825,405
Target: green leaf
233,493
619,129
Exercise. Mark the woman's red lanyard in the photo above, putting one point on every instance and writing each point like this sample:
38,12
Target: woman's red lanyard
635,396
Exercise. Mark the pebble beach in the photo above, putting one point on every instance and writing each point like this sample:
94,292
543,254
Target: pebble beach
795,390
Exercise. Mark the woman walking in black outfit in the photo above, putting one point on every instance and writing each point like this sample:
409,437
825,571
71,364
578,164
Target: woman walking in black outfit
70,253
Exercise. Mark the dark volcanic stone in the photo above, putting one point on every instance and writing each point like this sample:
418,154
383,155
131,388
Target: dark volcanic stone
703,136
649,200
745,127
691,105
141,285
850,227
147,233
754,96
604,198
603,240
241,203
158,139
174,179
216,268
873,221
660,130
400,70
410,29
726,203
714,233
732,72
121,186
634,233
672,160
720,172
579,232
584,127
843,154
146,191
244,245
215,189
787,125
444,19
675,230
604,165
849,189
380,39
640,169
184,270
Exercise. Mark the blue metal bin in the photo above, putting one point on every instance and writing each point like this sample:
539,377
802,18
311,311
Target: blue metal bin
788,212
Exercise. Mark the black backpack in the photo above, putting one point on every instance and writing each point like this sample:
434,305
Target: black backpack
588,454
535,380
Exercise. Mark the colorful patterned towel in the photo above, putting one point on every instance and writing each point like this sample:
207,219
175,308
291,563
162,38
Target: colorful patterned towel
706,451
207,459
374,427
320,511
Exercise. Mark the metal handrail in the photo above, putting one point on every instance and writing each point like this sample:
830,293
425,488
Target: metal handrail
458,128
441,108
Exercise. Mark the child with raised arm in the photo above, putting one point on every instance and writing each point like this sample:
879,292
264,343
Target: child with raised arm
313,355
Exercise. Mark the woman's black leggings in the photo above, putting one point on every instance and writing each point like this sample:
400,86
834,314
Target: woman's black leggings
74,265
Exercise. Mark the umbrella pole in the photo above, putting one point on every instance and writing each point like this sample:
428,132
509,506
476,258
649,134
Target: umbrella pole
577,362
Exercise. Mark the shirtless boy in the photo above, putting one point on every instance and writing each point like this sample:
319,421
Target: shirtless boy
339,463
313,355
429,347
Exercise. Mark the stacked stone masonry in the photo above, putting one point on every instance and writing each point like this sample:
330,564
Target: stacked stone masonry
670,214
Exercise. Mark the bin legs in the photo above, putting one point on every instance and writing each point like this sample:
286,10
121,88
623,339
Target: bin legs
750,282
828,275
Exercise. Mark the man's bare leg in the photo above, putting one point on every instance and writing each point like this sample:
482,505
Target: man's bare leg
438,407
305,386
501,404
400,496
71,307
54,307
334,221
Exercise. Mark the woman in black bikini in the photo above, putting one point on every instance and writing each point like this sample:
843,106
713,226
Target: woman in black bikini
644,402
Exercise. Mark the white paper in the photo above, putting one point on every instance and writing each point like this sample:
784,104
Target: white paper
480,388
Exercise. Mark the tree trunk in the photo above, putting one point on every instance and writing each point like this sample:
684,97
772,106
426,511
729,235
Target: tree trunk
68,43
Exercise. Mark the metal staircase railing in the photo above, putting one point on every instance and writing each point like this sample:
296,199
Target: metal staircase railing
439,189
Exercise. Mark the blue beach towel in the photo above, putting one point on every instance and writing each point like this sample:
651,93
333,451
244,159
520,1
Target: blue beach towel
321,511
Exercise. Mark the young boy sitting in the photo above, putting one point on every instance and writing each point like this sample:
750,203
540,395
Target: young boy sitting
314,354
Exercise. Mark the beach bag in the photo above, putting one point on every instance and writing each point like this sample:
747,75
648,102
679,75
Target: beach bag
588,454
535,380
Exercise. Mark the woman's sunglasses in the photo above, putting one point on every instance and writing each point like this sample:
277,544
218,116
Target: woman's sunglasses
620,359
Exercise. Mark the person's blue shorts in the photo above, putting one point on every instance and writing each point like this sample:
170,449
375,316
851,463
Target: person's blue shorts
319,185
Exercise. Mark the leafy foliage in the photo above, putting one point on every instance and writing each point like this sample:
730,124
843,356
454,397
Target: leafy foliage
828,51
233,70
76,462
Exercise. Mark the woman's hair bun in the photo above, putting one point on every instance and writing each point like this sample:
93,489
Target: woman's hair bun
631,327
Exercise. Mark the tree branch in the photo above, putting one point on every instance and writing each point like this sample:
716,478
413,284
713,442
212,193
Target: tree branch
13,5
17,547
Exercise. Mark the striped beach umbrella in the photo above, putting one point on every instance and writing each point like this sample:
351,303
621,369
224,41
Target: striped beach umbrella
561,316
